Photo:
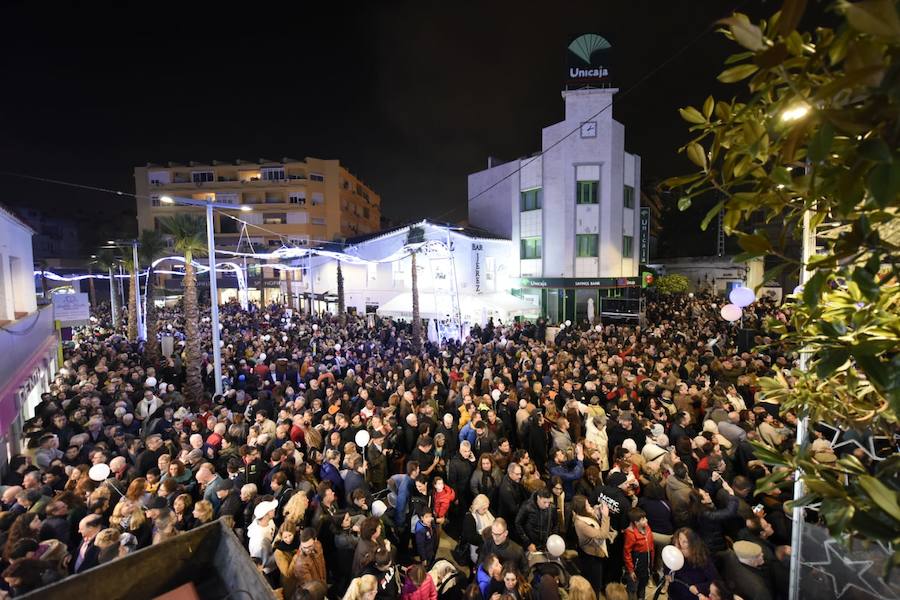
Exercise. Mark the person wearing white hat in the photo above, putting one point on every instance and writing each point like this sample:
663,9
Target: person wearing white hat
150,382
261,534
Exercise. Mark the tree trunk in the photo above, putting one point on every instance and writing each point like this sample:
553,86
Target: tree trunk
91,290
132,307
416,319
193,387
151,348
340,294
289,278
113,308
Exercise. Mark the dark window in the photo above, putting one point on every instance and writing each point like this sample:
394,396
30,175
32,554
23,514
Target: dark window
629,196
587,192
627,246
531,248
587,245
531,199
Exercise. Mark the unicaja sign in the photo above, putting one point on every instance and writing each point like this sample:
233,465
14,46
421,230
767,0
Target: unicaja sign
588,59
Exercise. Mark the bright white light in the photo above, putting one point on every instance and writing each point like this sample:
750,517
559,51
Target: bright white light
795,112
780,186
167,200
245,208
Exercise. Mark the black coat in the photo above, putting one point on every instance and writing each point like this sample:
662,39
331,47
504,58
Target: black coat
459,474
534,524
510,496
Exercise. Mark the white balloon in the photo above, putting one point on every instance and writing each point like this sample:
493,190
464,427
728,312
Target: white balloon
284,338
742,296
598,327
99,472
495,394
378,508
568,323
266,317
731,313
672,557
337,347
555,546
315,327
562,325
362,438
267,337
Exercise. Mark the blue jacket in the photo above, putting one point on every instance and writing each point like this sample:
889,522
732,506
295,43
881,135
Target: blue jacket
484,581
329,472
404,485
426,543
569,473
467,433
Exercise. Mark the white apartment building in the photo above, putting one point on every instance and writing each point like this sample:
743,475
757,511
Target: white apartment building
572,210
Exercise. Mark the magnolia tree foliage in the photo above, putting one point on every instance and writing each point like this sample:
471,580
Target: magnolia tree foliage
672,284
813,129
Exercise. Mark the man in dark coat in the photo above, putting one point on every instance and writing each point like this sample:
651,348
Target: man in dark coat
536,520
87,555
511,494
743,568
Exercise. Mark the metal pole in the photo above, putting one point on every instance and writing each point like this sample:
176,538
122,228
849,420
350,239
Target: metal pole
121,284
312,286
112,297
142,335
808,248
214,299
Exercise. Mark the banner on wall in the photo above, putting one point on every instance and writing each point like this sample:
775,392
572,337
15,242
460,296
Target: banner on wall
71,309
645,235
478,267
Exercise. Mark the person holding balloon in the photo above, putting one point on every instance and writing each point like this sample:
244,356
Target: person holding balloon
691,571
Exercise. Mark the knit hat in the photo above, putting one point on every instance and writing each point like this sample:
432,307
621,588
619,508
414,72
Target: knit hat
616,479
656,430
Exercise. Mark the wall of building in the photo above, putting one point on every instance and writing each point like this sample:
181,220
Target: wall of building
714,273
17,292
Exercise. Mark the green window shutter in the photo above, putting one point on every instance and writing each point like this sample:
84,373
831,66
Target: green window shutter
587,192
587,245
629,196
627,246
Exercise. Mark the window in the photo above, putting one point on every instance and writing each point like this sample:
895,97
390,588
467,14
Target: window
587,245
228,225
274,218
316,177
272,173
531,248
629,196
531,199
318,198
587,192
317,220
297,198
627,246
228,198
154,200
202,176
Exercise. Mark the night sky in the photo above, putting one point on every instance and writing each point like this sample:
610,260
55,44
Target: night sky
410,96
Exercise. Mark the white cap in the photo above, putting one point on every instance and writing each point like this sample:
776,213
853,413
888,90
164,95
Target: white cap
264,508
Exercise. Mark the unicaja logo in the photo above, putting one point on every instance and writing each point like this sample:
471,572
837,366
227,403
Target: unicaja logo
588,51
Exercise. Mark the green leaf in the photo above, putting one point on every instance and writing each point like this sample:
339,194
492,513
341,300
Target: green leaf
866,283
830,361
781,175
754,243
696,154
684,203
708,106
812,289
883,183
691,115
791,13
820,143
875,17
885,498
713,212
745,33
875,150
877,371
737,73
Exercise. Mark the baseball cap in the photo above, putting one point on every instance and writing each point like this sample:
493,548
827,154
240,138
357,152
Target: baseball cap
616,479
264,508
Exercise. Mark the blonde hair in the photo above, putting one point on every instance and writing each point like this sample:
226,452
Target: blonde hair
616,591
108,537
205,508
296,507
480,501
361,586
580,589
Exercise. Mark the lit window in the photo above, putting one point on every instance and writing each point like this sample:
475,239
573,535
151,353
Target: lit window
587,245
531,199
274,218
587,192
272,173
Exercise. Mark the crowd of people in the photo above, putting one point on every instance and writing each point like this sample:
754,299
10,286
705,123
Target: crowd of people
619,439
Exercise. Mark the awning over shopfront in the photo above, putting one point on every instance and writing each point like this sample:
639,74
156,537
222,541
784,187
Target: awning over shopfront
474,308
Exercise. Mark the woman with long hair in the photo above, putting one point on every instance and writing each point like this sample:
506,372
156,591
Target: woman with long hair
182,508
485,478
474,523
515,585
136,489
703,515
204,512
592,526
362,588
418,584
285,547
26,526
129,517
698,572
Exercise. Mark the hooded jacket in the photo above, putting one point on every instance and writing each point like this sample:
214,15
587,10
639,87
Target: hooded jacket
426,591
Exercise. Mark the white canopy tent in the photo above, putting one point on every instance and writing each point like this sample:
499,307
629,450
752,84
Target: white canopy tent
474,308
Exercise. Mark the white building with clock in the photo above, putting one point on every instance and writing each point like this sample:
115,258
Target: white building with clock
572,211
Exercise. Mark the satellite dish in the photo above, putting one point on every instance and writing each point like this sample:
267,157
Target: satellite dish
99,472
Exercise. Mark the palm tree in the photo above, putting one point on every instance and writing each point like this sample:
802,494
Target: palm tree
188,234
340,293
128,261
153,246
106,261
289,281
416,235
92,291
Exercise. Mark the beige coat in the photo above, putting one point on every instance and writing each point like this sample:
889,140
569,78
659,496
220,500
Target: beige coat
592,536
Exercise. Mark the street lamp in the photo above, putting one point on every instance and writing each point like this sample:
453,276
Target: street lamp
213,286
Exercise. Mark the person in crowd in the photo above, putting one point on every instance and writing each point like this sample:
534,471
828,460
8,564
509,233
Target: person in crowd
698,572
309,562
592,527
638,553
475,527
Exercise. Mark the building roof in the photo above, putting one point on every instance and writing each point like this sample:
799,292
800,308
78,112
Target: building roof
468,231
10,214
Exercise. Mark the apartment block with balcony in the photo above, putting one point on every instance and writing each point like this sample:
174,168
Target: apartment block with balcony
301,200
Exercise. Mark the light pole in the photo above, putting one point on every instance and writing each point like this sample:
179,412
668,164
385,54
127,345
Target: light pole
139,317
213,286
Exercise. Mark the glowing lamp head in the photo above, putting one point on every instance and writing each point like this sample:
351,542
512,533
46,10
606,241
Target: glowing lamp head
245,208
794,113
167,200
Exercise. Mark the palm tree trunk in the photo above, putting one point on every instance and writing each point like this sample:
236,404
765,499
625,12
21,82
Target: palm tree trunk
289,279
151,348
342,309
416,319
193,387
132,307
91,290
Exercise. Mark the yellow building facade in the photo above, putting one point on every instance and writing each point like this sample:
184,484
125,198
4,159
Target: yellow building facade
304,201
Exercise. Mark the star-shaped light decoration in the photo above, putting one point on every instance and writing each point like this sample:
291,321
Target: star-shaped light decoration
846,573
869,448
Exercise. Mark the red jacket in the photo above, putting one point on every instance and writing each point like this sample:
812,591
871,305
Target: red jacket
443,500
426,591
635,541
